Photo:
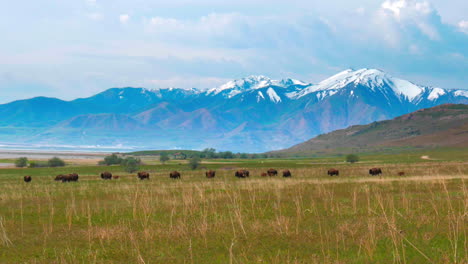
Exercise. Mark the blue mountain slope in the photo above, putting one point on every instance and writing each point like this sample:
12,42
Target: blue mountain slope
250,114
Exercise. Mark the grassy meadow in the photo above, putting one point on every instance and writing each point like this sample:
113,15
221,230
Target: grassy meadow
310,218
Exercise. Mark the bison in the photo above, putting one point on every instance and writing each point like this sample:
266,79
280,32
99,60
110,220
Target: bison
264,174
375,171
333,172
174,175
210,174
106,175
242,174
59,177
142,175
286,173
272,172
401,173
27,178
70,177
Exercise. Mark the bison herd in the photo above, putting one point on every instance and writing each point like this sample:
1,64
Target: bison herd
143,175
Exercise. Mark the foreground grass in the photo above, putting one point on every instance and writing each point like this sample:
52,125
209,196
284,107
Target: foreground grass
310,218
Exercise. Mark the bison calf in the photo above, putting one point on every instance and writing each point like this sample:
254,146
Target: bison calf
401,173
264,174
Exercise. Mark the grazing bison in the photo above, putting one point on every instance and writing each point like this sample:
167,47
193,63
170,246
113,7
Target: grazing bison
116,177
264,174
106,175
272,172
210,174
174,175
142,175
242,174
27,178
375,171
401,173
70,177
333,172
59,177
286,173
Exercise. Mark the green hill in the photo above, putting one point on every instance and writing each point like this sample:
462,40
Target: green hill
440,126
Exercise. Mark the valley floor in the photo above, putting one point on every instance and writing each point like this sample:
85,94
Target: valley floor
310,218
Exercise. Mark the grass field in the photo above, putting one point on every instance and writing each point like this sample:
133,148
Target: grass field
309,218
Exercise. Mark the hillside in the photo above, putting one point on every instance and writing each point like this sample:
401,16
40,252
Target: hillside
441,126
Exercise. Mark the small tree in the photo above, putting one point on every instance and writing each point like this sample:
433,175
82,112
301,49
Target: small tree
111,160
131,164
352,158
21,162
194,162
163,158
56,162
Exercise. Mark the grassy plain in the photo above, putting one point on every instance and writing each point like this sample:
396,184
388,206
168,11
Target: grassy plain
309,218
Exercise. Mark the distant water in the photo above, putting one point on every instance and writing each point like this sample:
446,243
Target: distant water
66,148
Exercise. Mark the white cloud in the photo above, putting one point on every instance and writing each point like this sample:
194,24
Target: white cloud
124,18
463,26
413,12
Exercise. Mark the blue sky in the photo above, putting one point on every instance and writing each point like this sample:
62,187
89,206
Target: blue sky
70,49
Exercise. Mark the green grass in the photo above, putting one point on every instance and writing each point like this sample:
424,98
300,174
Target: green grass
309,218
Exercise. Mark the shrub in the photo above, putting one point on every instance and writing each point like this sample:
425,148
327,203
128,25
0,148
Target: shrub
131,164
111,160
194,162
352,158
56,162
21,162
163,158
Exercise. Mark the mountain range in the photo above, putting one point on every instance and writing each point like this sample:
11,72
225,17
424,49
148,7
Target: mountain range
252,114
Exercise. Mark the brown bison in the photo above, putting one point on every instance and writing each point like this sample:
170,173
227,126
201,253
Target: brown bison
70,177
333,172
142,175
106,175
375,171
286,173
264,174
401,173
272,172
210,174
242,174
174,175
27,178
59,177
116,177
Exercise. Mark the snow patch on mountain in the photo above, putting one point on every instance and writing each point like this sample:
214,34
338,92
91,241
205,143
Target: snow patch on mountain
436,93
273,95
371,78
236,87
260,96
463,93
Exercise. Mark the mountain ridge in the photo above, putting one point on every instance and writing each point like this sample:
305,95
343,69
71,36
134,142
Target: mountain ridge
252,114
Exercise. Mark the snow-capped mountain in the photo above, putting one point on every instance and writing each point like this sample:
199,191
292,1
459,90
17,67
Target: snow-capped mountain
251,114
